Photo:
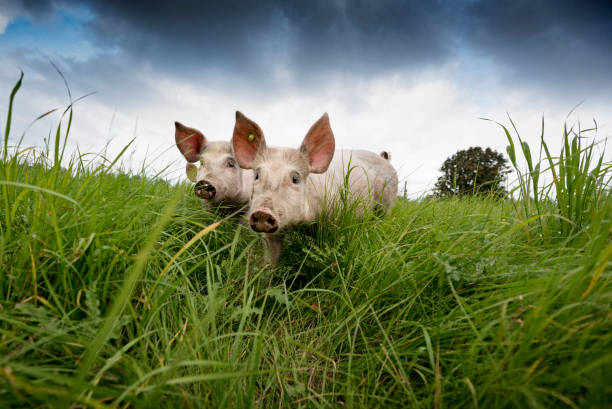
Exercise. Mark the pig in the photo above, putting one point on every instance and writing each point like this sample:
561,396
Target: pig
219,181
293,186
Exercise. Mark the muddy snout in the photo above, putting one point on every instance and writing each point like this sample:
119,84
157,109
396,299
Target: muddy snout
263,221
204,190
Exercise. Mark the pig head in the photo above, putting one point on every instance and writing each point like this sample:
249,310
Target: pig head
218,178
292,186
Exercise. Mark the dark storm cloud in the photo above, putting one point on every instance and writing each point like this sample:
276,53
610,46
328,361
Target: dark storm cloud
549,42
256,37
568,43
32,8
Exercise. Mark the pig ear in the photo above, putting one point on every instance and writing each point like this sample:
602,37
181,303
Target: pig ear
248,139
190,141
319,145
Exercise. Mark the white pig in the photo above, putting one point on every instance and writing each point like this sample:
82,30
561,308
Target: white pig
218,180
293,186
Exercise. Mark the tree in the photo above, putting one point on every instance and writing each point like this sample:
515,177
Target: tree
473,171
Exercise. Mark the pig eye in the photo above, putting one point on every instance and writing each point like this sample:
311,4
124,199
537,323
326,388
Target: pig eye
256,175
295,178
231,163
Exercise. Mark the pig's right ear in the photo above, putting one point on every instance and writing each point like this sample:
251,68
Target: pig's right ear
319,145
190,141
248,139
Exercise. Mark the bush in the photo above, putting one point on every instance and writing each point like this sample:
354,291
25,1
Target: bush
473,171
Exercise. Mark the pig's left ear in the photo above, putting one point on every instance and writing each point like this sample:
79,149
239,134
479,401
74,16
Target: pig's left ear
190,141
248,139
319,145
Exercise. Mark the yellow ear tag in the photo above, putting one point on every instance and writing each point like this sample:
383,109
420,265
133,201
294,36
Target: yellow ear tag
251,136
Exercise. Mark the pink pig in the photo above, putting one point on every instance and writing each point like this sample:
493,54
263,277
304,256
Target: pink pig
218,180
293,186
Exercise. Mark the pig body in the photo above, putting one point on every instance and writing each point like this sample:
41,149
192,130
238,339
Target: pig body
219,181
372,181
293,186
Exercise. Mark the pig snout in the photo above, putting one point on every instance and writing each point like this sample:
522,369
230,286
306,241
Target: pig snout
263,221
203,189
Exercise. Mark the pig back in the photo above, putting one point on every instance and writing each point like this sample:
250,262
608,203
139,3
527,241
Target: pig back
371,180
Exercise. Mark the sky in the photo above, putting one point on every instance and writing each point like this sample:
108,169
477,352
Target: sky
411,77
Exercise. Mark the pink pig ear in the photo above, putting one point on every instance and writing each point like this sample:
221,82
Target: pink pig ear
190,141
248,139
319,145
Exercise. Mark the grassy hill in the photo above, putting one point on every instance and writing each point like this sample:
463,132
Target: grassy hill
118,290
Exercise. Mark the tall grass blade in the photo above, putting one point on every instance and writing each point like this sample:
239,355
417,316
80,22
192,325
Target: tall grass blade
9,115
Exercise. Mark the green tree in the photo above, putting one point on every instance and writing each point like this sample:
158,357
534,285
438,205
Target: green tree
473,171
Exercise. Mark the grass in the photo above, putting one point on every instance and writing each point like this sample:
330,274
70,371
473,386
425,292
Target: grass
119,290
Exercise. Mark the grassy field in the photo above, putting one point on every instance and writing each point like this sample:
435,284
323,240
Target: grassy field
118,290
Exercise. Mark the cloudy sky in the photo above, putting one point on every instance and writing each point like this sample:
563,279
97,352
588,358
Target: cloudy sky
411,77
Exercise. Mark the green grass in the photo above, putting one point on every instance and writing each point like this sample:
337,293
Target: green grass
118,290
